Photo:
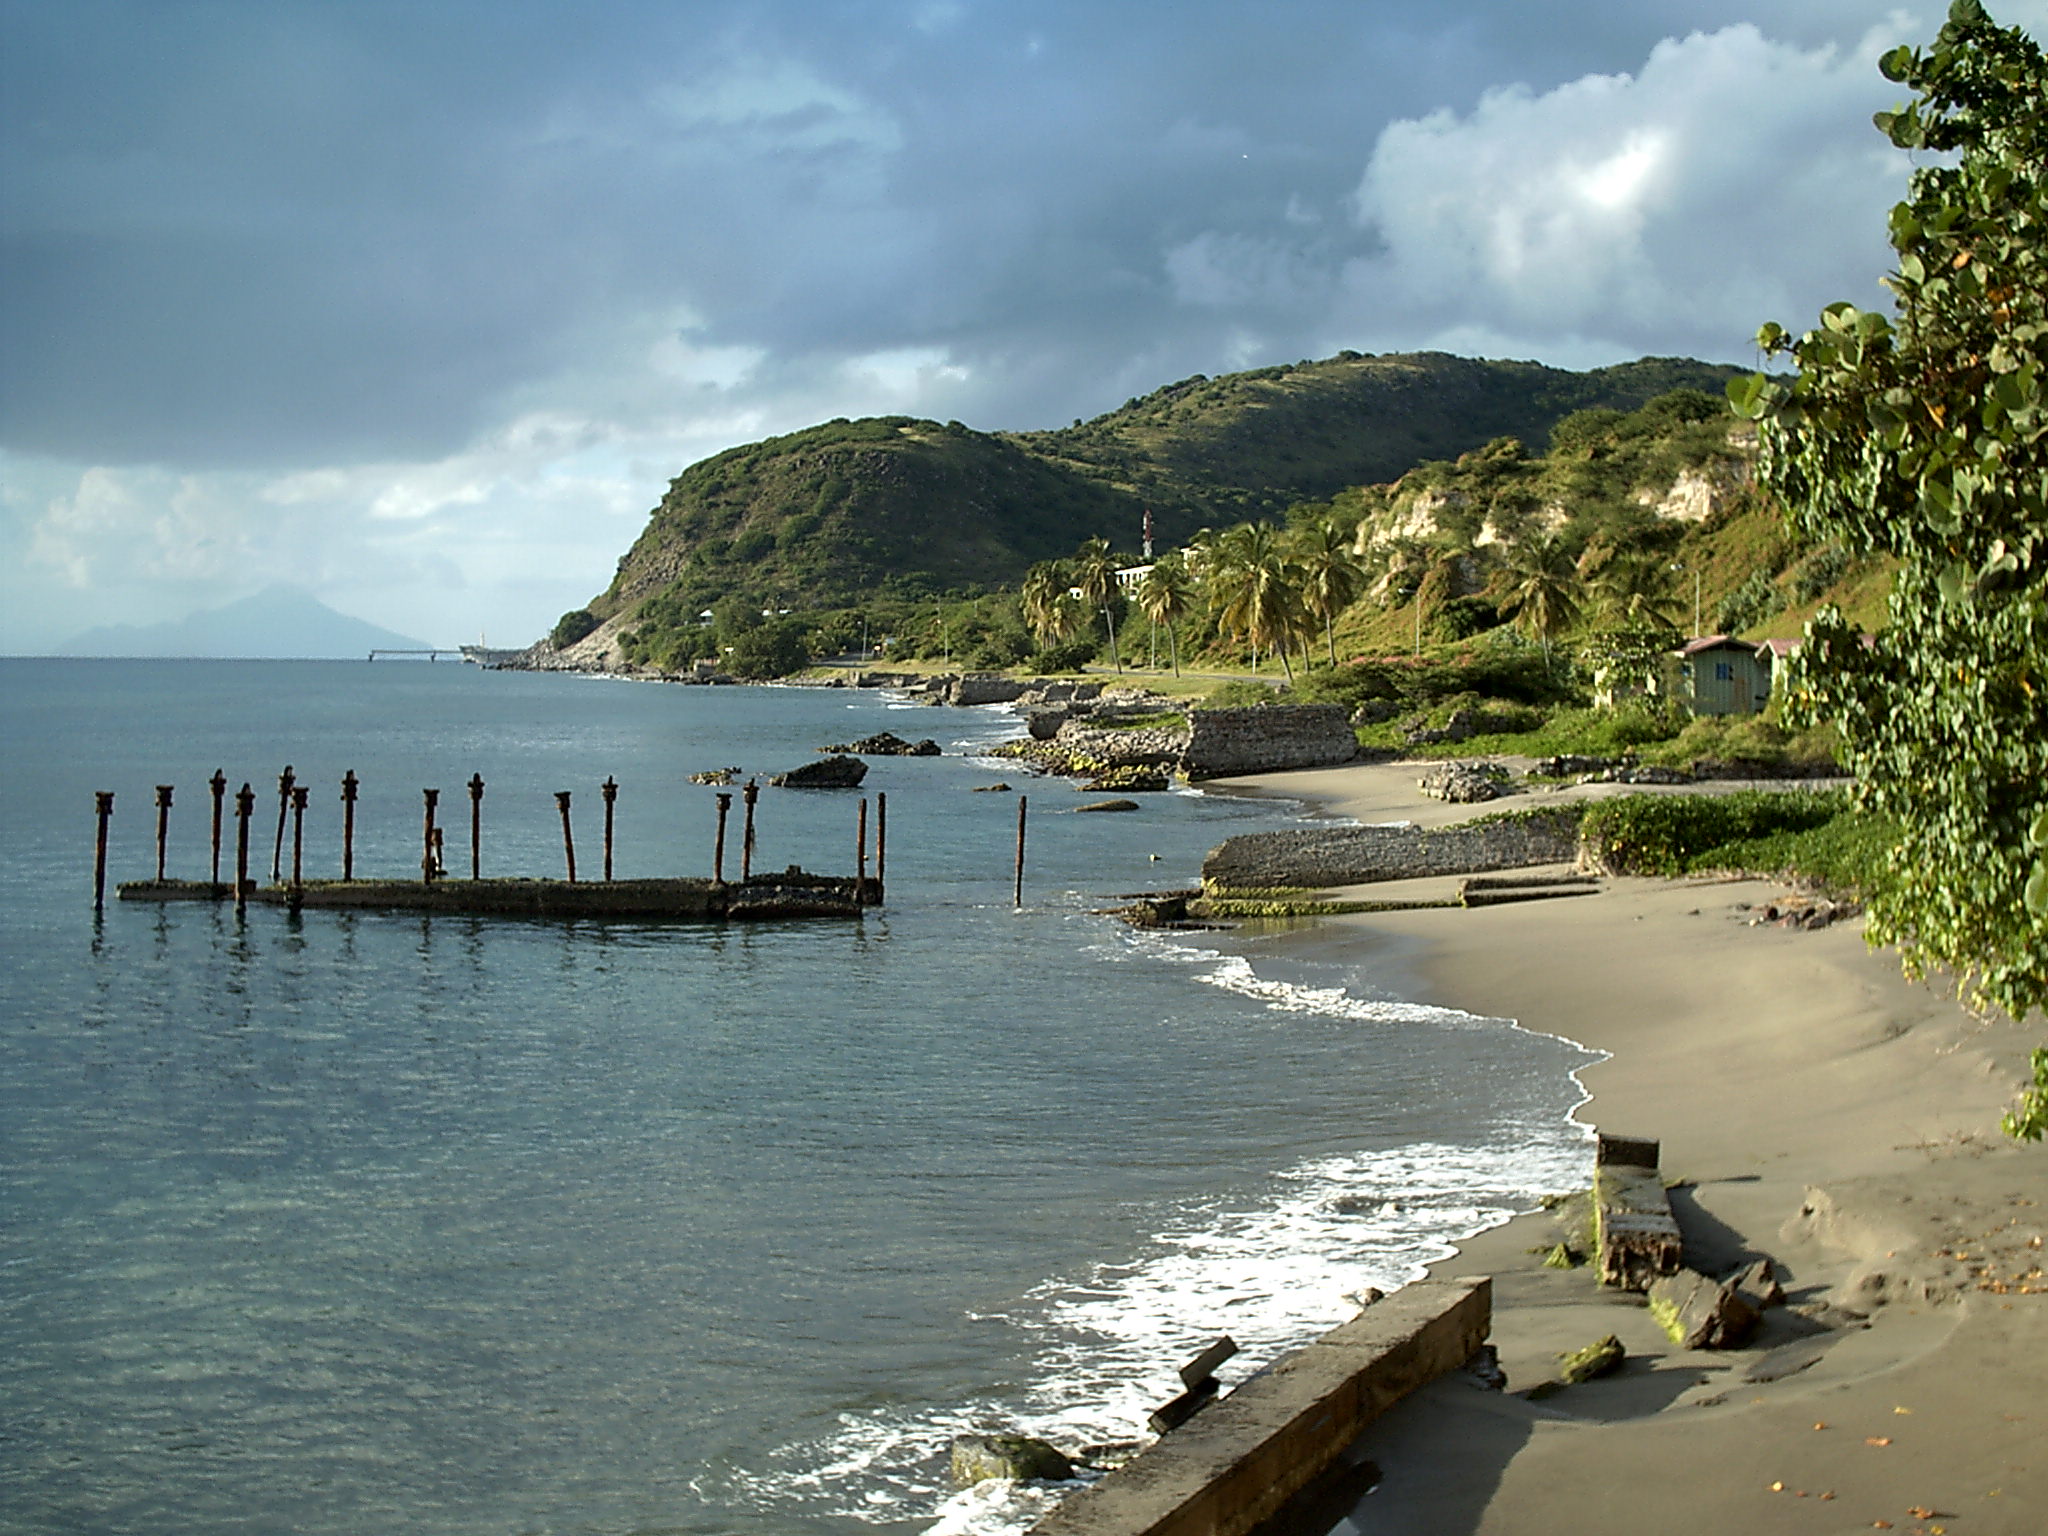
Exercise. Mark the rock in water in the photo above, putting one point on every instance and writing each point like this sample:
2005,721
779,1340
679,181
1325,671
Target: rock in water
887,744
836,772
1109,805
976,1458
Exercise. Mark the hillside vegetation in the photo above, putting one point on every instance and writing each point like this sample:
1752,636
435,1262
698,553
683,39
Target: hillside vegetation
840,513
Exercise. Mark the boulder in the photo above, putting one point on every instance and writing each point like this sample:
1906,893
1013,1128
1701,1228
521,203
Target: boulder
836,772
1602,1357
1483,1370
1373,711
984,688
1758,1285
977,1458
1698,1313
1133,778
1108,805
1464,783
887,744
1567,765
1043,721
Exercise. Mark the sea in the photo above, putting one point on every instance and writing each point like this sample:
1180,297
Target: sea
340,1222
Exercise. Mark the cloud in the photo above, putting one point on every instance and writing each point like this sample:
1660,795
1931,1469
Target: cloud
426,304
1730,180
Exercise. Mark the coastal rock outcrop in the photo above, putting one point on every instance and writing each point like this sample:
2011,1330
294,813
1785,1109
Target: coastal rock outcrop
1465,783
886,744
836,772
977,1458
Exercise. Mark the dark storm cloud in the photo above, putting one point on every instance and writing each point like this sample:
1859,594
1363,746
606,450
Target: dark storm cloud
266,233
420,304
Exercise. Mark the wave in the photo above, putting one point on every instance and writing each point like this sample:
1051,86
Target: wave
1274,1271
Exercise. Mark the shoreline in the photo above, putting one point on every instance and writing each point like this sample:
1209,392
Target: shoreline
1826,1114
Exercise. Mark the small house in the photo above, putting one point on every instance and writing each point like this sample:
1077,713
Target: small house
1720,675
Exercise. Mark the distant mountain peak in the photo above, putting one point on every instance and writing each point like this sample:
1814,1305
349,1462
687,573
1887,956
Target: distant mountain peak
281,622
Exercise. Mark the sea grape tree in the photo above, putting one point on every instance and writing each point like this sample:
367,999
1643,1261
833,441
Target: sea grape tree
1922,435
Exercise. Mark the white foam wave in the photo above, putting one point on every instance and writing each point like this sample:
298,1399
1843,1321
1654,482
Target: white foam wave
1106,1344
1273,1272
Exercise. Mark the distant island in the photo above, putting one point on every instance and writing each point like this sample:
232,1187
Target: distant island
281,623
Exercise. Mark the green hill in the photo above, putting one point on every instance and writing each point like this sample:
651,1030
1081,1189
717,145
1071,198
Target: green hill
839,512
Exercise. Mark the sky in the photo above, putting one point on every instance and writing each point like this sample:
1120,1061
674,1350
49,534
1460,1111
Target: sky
420,305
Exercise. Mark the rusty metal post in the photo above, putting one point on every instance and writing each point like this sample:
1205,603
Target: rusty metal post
882,840
299,794
718,844
748,796
348,825
163,827
476,825
427,859
219,785
568,839
103,804
610,790
1022,801
285,781
245,810
860,856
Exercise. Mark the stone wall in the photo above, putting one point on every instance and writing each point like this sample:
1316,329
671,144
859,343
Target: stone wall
1144,744
1267,737
1238,1461
1319,857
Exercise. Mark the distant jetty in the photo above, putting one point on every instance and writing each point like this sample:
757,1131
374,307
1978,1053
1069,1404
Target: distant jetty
794,893
763,897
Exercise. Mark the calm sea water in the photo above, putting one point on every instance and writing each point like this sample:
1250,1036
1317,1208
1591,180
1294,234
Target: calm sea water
351,1222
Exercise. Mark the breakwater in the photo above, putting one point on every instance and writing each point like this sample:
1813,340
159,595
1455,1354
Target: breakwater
1330,856
760,898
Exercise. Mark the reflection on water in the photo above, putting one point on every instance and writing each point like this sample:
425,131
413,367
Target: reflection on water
340,1221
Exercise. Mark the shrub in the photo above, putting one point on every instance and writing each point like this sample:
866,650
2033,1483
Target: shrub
1241,693
1669,834
576,624
1747,605
1063,656
1819,571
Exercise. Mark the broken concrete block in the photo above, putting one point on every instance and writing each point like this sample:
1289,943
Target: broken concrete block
1698,1313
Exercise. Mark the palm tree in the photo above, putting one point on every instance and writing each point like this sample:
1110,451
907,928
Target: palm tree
1424,570
1255,590
1633,586
1331,577
1044,585
1166,595
1541,594
1094,572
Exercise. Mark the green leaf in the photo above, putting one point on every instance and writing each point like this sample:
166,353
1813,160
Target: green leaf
1746,395
2037,889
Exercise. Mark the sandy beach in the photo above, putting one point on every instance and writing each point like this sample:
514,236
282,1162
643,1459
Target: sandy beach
1822,1112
